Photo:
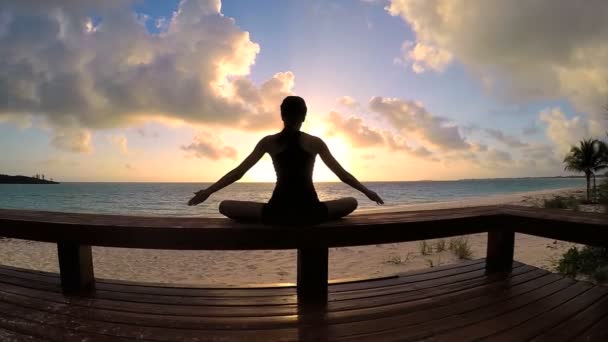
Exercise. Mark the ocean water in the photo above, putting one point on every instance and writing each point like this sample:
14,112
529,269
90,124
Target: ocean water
169,199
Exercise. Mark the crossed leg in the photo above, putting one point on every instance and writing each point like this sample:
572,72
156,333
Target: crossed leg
242,210
341,207
252,211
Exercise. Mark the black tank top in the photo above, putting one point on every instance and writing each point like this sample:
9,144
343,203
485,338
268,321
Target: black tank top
294,199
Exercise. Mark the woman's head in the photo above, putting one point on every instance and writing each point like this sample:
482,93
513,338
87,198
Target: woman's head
293,111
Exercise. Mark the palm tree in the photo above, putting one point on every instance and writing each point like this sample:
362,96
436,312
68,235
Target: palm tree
589,157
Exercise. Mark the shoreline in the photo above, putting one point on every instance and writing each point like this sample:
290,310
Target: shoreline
239,268
516,198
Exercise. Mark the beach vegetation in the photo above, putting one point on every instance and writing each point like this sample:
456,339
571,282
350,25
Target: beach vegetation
398,259
589,261
602,191
425,248
461,248
440,246
562,202
588,158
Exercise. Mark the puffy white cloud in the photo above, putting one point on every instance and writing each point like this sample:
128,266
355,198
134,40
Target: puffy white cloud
348,102
564,132
412,117
359,134
209,145
353,128
424,57
398,143
523,50
75,71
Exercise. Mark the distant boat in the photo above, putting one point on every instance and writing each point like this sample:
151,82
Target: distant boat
6,179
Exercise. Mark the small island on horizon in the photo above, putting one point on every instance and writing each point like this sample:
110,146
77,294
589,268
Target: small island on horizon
6,179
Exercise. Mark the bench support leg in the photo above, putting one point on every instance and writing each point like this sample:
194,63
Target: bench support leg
500,250
75,267
312,276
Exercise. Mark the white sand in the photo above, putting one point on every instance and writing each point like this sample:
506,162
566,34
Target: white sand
264,267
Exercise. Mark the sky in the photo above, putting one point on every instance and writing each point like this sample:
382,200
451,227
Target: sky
181,91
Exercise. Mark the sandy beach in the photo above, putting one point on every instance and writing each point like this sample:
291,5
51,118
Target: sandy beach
238,268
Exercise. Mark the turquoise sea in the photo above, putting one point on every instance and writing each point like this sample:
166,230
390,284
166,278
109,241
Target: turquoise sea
170,198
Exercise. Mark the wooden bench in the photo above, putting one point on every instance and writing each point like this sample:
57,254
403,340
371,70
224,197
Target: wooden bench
493,297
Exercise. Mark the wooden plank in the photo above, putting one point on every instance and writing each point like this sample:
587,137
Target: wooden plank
221,308
75,267
153,288
566,225
514,318
577,324
409,276
432,298
139,319
11,336
204,291
119,331
548,320
44,332
403,289
597,332
223,234
421,324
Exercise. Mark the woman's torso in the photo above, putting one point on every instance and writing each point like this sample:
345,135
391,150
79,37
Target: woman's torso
294,196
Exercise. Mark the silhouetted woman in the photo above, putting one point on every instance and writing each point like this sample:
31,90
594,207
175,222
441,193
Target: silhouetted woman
294,199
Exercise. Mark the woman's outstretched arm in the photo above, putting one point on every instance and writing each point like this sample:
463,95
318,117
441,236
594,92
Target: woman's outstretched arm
344,175
232,176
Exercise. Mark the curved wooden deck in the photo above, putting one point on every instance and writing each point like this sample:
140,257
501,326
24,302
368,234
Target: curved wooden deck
495,299
449,303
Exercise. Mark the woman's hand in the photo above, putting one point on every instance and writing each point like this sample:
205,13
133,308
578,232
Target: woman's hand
199,197
374,197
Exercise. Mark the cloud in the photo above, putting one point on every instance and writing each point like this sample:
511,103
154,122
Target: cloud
412,117
22,121
398,143
508,140
348,102
74,71
362,135
424,57
564,132
522,50
353,128
209,145
536,155
72,140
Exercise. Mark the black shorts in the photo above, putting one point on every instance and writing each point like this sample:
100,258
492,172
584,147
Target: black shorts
313,213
